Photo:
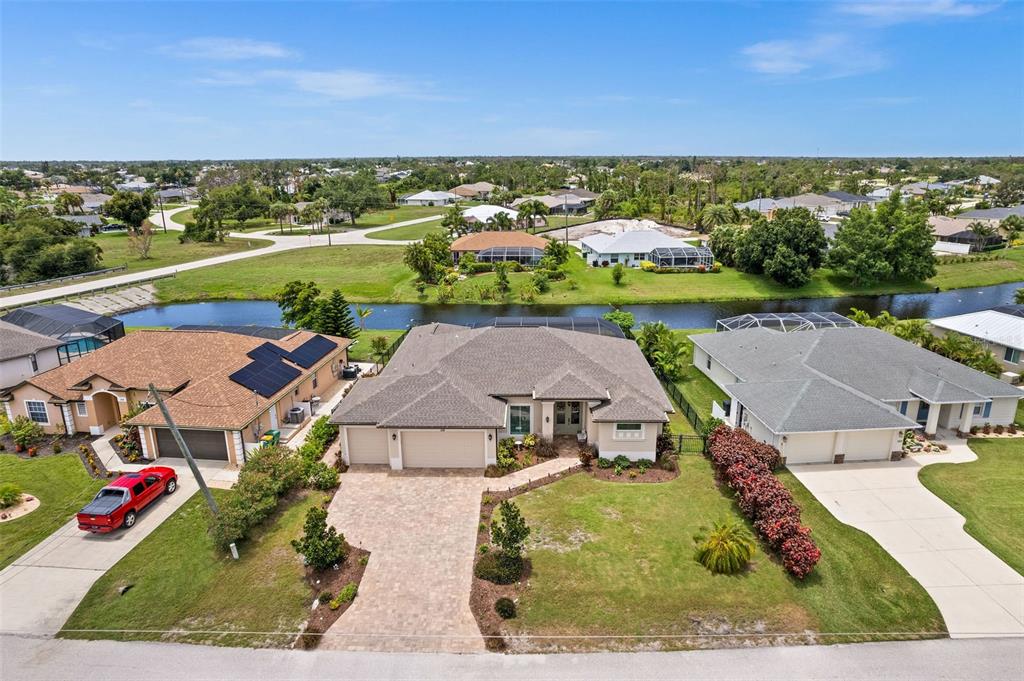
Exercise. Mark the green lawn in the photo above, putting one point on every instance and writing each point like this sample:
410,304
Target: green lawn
380,218
408,232
988,492
556,222
180,581
617,559
364,274
62,487
256,224
699,390
360,352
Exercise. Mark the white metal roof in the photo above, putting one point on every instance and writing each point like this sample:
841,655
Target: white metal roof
428,195
989,325
638,241
485,213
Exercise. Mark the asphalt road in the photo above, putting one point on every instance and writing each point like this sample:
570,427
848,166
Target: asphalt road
31,659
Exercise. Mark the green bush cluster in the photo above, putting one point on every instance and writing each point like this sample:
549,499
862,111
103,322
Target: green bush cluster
346,595
499,567
10,494
505,607
316,473
268,474
320,545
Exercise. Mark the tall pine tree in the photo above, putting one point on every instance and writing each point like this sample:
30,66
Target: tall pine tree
334,317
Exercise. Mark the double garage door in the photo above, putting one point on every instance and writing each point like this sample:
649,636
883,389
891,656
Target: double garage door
203,444
420,448
865,445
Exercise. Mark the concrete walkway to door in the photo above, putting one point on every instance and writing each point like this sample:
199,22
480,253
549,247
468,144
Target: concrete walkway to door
977,593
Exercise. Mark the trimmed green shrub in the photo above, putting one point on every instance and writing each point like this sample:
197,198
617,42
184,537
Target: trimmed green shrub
505,607
346,595
10,494
604,463
322,477
726,549
321,544
499,568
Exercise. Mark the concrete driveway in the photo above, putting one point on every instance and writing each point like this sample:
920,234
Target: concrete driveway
420,527
40,590
976,592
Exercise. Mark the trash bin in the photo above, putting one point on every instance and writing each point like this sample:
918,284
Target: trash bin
271,438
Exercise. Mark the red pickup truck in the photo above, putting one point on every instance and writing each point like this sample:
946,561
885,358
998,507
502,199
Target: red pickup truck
120,502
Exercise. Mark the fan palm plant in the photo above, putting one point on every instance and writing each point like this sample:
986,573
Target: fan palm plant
726,549
363,311
501,222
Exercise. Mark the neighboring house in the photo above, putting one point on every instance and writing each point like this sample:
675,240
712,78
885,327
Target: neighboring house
223,390
922,188
481,214
24,353
850,201
821,205
584,194
632,248
177,194
994,213
451,393
526,249
480,191
94,202
834,394
428,198
1001,330
79,331
85,223
882,193
135,186
954,234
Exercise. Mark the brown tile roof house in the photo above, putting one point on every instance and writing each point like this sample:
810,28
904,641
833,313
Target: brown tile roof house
479,241
477,189
193,370
451,392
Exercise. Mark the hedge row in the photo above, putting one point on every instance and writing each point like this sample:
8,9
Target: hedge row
746,466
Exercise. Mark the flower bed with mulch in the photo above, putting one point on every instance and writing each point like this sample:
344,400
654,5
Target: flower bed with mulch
664,469
484,594
331,582
45,446
524,456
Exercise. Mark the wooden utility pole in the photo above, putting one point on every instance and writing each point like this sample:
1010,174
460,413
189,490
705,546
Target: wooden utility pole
184,449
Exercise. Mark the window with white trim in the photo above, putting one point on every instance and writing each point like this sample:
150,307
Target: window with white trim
1012,355
984,410
519,419
36,410
629,431
82,409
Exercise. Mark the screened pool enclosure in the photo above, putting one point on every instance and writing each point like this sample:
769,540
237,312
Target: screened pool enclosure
786,321
683,257
524,255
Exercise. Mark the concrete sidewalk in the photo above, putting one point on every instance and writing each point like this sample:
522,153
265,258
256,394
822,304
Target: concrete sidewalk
976,592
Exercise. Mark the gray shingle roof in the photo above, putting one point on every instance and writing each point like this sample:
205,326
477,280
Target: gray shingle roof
18,342
447,376
870,364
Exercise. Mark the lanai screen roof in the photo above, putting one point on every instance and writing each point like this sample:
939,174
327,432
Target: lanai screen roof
786,321
61,321
594,325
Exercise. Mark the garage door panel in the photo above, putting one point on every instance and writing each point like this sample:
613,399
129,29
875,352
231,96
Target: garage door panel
870,445
367,445
203,444
808,448
443,449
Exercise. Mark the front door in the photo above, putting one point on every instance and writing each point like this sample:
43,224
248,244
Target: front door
568,418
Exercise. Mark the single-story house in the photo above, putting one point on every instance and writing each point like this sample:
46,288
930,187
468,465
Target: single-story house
851,201
922,188
954,234
1000,329
485,213
566,203
526,249
428,198
135,186
835,394
994,213
86,223
24,353
450,393
178,194
223,390
584,194
79,331
480,191
821,205
633,247
94,202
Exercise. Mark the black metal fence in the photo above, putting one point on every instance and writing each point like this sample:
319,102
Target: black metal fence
689,444
685,444
389,353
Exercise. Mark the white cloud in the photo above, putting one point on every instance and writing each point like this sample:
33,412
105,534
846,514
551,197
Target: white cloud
346,84
226,49
901,11
824,56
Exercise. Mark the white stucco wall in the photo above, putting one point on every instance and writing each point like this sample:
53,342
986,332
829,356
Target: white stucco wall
717,373
609,448
17,369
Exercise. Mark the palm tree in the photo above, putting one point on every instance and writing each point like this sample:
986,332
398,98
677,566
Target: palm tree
983,231
530,210
363,312
501,222
281,211
726,549
717,214
1018,297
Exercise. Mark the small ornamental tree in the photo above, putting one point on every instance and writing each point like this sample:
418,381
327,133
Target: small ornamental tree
512,531
618,273
501,277
726,549
321,545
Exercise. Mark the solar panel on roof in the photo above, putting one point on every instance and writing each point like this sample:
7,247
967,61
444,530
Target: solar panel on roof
266,378
268,352
313,350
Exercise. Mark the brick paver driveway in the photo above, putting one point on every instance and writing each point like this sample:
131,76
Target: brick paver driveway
420,527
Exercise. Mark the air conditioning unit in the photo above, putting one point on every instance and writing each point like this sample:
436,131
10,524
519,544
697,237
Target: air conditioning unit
1010,377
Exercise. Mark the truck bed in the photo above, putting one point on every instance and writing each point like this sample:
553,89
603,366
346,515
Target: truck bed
104,504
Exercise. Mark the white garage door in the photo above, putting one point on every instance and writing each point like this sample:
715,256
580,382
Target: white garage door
443,449
868,445
808,448
367,445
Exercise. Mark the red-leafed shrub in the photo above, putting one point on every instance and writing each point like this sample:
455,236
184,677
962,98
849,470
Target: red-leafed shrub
746,465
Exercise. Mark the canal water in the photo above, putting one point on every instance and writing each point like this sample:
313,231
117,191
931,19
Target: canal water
675,315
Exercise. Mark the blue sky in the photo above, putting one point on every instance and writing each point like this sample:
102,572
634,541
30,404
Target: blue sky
192,80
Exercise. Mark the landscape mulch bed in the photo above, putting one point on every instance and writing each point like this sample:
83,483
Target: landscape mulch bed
322,617
523,460
45,446
485,593
653,474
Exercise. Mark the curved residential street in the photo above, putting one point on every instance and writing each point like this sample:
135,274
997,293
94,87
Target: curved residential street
280,244
36,659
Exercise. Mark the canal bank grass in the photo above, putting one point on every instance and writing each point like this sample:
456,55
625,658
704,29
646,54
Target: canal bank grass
377,274
362,349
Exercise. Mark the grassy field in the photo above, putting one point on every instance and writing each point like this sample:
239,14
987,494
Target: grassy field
360,352
380,218
617,559
254,225
407,233
62,487
182,582
988,492
556,222
364,274
376,274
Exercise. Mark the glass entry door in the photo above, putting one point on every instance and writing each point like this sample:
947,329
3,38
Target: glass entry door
568,418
